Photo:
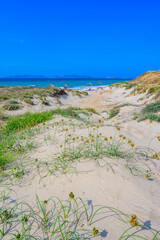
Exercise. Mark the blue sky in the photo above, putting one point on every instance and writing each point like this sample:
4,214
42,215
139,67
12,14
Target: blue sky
83,37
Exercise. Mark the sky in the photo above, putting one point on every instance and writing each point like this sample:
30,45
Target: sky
100,38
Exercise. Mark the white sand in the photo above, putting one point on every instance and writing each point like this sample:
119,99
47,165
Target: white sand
112,185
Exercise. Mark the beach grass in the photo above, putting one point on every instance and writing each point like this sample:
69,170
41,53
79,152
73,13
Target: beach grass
55,218
150,112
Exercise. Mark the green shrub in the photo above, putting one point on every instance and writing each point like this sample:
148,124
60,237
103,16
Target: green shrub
92,110
152,108
113,112
12,106
154,90
29,101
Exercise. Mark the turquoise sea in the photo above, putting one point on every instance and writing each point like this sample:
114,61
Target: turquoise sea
44,82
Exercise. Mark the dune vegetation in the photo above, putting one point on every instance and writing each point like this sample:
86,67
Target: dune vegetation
80,171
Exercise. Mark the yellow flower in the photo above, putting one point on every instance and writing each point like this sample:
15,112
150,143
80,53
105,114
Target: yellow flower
52,126
69,135
61,120
120,135
87,141
129,141
45,201
47,127
133,220
124,137
99,120
71,195
95,231
146,176
158,138
110,137
105,139
60,146
73,139
73,130
132,144
64,155
18,236
92,140
155,156
44,123
97,136
100,134
66,129
77,137
118,128
93,128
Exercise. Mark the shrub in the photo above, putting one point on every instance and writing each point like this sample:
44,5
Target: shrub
113,112
12,106
152,107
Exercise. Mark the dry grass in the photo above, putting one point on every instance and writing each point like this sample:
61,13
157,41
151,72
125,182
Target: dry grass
24,92
149,81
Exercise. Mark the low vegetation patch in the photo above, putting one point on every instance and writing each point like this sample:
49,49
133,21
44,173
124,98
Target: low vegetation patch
92,110
9,147
73,218
12,105
149,112
21,93
114,111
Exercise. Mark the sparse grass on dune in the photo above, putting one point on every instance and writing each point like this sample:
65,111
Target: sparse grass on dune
92,110
24,92
12,105
54,218
149,81
149,112
9,130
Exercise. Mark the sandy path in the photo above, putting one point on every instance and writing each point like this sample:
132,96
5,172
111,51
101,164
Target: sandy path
95,100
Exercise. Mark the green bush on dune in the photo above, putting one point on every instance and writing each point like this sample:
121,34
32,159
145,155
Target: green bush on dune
149,112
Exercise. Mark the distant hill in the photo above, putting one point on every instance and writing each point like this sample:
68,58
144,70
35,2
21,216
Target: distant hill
151,77
148,81
61,77
26,76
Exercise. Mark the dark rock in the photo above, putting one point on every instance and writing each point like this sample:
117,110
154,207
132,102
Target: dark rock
58,93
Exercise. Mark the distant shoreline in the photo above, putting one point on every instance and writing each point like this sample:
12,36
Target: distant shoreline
52,78
73,83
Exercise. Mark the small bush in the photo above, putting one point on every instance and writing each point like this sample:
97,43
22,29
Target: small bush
113,112
154,90
45,102
152,107
92,110
29,101
12,106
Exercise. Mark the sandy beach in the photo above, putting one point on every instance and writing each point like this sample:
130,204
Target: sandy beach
112,163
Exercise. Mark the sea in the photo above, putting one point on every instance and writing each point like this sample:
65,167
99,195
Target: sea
78,84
